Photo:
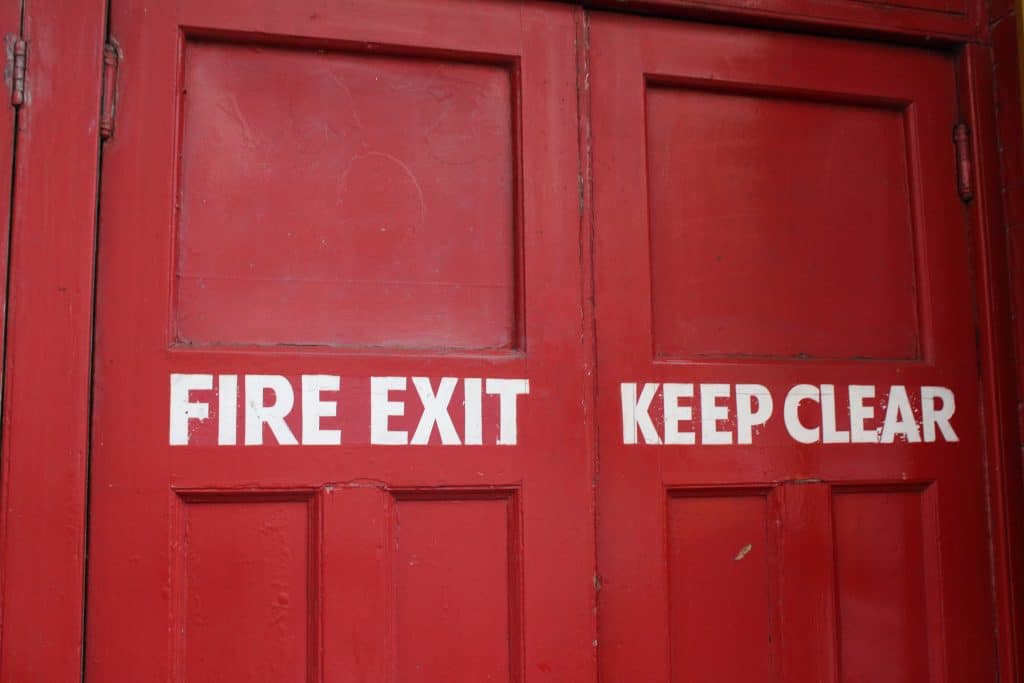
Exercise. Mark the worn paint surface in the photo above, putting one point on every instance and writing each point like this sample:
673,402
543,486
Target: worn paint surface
243,531
48,348
865,536
349,259
326,410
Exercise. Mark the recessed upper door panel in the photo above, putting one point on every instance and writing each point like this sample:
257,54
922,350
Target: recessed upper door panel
790,216
318,186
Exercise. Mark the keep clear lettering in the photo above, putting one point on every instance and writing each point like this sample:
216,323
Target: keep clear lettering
735,413
305,410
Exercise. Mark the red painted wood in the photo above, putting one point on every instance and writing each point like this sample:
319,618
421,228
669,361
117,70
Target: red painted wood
363,554
988,218
403,133
1006,66
746,227
999,9
1007,85
51,271
806,634
884,557
455,561
819,592
48,344
249,583
1007,89
742,547
361,561
905,18
10,28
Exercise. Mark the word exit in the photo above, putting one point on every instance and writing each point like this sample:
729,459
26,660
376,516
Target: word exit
722,414
325,410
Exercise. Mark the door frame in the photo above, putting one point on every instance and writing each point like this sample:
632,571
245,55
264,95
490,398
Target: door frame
999,392
49,343
47,391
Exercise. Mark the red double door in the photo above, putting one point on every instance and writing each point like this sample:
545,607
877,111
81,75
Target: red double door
352,421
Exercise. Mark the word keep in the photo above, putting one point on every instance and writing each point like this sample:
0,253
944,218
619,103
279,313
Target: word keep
259,411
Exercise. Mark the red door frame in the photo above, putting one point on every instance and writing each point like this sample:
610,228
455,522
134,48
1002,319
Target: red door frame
46,416
1001,104
999,395
46,394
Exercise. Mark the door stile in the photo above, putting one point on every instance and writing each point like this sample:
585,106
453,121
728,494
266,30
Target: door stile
587,293
807,586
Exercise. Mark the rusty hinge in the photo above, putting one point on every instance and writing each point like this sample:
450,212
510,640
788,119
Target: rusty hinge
16,54
108,104
964,173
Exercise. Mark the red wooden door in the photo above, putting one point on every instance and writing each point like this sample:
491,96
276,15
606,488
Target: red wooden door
791,478
10,20
339,414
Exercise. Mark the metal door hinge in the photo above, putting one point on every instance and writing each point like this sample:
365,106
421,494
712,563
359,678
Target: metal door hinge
108,104
964,172
16,55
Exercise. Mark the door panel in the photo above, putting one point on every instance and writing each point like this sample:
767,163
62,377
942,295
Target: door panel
735,633
339,416
884,556
791,453
786,163
396,131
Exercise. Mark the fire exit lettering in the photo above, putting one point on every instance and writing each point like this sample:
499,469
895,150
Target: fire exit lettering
722,414
326,410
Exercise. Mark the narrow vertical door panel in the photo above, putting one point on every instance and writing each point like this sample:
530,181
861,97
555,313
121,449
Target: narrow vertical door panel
783,289
339,419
